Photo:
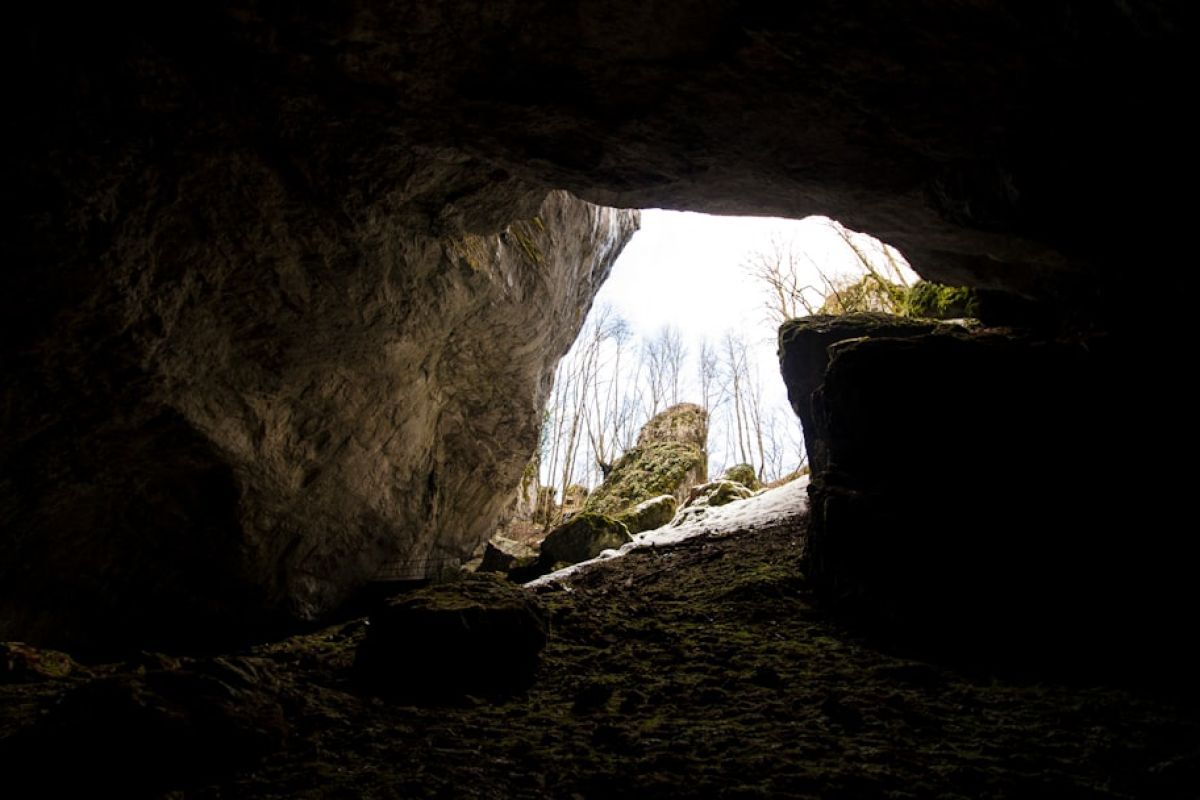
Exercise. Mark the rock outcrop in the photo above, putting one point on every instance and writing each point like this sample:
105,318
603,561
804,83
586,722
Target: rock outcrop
964,494
265,423
670,457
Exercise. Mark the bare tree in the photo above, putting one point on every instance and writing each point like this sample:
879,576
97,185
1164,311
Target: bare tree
664,357
708,368
878,283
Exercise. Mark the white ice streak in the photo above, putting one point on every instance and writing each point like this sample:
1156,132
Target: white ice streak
768,509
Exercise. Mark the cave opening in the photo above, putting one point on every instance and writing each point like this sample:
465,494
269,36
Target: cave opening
285,287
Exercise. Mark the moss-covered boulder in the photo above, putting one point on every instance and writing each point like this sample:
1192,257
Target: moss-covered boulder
584,536
717,493
478,636
938,301
670,458
684,423
651,514
745,475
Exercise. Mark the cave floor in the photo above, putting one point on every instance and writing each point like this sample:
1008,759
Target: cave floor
702,670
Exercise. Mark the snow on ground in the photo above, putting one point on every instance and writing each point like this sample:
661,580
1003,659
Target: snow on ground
765,510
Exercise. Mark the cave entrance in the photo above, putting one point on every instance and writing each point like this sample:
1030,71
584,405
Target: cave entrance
690,314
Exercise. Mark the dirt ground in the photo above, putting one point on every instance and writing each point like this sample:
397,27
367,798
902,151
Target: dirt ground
697,670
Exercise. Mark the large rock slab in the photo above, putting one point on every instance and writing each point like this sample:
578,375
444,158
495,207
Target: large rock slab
209,436
967,498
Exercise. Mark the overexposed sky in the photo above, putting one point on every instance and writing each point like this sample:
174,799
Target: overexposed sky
689,271
686,269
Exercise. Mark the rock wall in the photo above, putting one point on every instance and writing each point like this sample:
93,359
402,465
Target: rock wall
261,419
972,494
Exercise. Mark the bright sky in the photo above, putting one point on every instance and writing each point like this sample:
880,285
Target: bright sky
685,269
689,271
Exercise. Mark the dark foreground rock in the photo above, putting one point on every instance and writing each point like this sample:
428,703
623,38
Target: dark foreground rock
478,636
700,670
141,733
969,493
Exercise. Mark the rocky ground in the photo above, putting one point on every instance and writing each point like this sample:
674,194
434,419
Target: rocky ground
698,669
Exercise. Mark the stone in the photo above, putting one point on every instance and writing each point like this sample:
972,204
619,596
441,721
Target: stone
504,555
650,514
583,536
803,358
717,493
669,458
478,636
683,423
237,442
745,475
967,500
20,663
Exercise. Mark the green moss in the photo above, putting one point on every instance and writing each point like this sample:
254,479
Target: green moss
582,537
743,474
937,301
643,473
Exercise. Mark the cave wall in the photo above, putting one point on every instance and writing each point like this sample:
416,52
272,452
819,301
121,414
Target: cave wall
265,418
236,307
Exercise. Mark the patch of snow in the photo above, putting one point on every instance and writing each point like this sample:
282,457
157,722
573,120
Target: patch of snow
764,510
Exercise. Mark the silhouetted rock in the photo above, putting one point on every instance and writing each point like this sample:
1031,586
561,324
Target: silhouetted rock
967,497
142,734
476,636
504,555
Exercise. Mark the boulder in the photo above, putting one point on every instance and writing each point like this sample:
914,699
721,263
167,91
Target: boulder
717,493
20,663
504,555
967,498
683,423
803,357
650,514
670,458
479,636
582,537
745,475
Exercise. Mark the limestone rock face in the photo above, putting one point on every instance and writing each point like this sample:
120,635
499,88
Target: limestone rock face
684,423
670,457
266,421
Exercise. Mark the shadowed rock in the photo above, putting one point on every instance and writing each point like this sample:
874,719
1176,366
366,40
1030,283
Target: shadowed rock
477,636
